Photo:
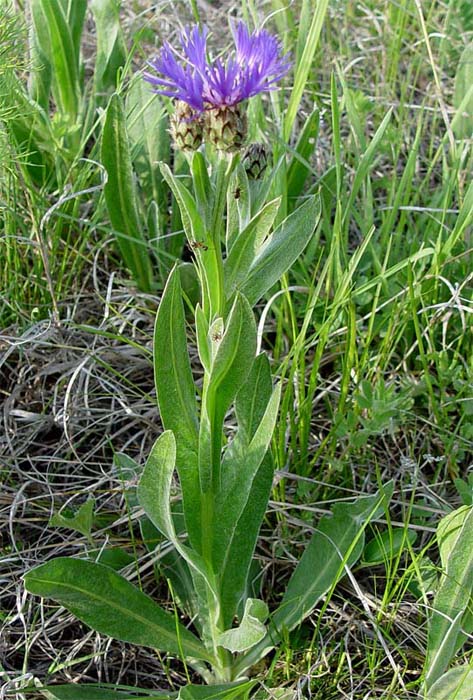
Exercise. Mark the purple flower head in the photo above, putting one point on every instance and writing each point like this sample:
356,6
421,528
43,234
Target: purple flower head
254,66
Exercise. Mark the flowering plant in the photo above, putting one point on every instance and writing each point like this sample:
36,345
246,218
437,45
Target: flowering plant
224,483
255,66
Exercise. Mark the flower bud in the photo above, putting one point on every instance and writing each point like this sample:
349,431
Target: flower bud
225,127
255,160
186,127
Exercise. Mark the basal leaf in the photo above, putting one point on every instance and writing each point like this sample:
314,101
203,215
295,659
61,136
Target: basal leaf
337,543
111,49
120,195
230,691
456,684
452,599
111,605
91,691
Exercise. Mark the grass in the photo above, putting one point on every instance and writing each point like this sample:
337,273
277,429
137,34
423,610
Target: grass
372,335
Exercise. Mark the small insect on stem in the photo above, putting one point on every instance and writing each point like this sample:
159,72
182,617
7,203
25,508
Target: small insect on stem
199,245
237,193
216,337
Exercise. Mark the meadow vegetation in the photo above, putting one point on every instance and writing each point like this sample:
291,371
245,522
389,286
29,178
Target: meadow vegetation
369,333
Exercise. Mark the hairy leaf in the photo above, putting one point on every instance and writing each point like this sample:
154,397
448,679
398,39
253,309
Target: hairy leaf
281,250
121,197
452,599
110,604
456,684
250,630
176,397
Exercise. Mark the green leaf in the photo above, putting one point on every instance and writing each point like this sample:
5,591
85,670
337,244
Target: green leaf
241,504
300,163
304,65
154,494
245,248
75,13
453,595
202,185
91,691
281,250
337,543
176,397
238,205
448,531
456,684
148,146
230,691
253,397
113,557
463,95
386,546
231,363
111,48
56,42
81,521
120,195
244,534
111,605
192,221
250,631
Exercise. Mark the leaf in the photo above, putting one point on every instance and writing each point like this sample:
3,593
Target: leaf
386,546
81,521
238,205
176,397
281,250
448,531
337,543
239,556
154,495
91,691
111,49
452,599
456,684
300,162
245,248
251,629
231,363
240,506
75,14
113,557
148,146
463,95
231,691
304,65
109,604
56,42
120,195
192,221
